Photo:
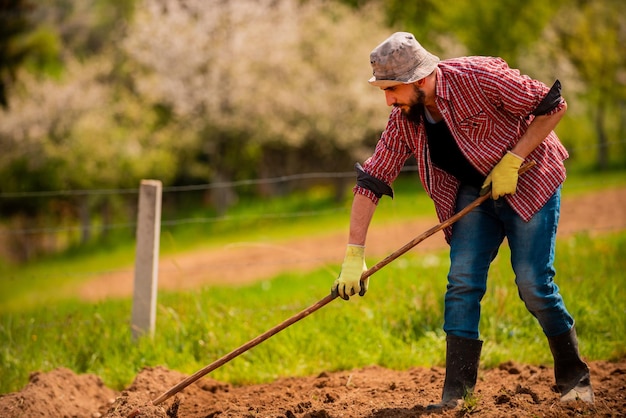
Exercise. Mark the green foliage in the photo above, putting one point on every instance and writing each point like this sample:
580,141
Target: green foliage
107,92
591,35
14,26
498,28
45,55
397,324
415,16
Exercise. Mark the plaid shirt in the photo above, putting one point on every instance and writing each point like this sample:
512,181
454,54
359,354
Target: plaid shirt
487,107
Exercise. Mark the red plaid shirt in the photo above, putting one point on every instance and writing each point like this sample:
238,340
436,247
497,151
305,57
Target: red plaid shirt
487,107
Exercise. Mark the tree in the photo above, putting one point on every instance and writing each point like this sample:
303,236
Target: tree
592,34
261,78
484,27
14,26
578,41
77,133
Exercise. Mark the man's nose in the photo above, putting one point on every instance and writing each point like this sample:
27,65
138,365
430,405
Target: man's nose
391,99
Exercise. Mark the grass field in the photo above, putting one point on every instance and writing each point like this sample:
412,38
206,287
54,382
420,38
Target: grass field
397,324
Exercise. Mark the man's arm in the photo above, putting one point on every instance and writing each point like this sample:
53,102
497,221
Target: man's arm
360,217
537,131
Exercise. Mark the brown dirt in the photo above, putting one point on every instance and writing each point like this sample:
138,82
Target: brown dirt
511,390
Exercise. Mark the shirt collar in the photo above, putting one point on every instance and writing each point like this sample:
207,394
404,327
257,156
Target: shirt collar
442,88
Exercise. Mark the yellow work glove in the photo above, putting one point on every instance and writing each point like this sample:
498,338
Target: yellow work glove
349,281
503,177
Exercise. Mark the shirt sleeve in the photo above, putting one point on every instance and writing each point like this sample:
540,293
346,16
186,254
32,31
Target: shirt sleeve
511,91
389,156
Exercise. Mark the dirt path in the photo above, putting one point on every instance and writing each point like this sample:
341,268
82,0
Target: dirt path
596,213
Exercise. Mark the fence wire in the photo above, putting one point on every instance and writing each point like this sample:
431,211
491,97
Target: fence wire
182,189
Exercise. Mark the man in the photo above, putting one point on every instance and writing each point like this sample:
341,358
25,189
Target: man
470,123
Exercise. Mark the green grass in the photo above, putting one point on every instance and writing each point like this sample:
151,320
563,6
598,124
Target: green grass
579,181
397,324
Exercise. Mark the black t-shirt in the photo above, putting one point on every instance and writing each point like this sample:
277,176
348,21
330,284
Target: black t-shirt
445,154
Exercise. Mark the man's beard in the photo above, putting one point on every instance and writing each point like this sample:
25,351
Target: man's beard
415,112
416,106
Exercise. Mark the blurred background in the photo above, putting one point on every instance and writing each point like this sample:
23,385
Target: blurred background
223,99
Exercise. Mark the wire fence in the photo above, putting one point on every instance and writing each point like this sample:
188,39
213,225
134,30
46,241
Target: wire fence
57,229
178,189
189,188
230,184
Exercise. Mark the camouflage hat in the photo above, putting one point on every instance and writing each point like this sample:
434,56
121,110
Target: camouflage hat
400,59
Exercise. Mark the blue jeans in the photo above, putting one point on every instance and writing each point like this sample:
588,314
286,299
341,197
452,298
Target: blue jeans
473,246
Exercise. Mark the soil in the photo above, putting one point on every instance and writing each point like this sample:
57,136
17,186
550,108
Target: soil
510,390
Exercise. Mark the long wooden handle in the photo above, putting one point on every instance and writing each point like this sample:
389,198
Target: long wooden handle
323,302
252,343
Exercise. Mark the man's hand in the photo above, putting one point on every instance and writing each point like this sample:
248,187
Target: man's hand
503,177
349,281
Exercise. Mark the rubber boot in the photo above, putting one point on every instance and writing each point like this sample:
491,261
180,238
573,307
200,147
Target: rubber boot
462,358
571,373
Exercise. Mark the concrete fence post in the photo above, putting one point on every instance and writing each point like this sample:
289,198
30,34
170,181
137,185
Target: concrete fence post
147,258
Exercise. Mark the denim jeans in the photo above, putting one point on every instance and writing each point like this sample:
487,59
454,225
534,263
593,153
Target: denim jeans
473,246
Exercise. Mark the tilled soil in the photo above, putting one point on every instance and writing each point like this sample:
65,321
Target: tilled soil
511,390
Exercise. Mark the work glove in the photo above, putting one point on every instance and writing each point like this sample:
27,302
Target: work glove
503,177
349,281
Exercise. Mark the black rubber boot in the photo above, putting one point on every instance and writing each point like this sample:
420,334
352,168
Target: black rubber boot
571,373
462,358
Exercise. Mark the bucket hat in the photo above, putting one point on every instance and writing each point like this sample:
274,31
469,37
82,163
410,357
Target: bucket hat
400,59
